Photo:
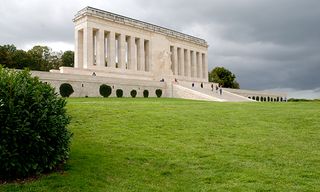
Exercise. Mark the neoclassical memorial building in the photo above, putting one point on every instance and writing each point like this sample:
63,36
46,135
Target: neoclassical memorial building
129,54
118,46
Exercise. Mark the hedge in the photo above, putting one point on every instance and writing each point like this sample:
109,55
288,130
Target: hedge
33,133
119,93
105,90
66,90
133,93
145,93
158,93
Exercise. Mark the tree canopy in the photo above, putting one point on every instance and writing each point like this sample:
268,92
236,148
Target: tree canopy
40,58
224,77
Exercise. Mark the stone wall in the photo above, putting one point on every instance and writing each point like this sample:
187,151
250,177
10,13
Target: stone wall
85,85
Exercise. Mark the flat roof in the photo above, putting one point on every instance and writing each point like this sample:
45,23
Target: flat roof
90,11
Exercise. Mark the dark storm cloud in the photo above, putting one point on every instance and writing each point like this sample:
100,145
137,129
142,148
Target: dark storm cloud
267,44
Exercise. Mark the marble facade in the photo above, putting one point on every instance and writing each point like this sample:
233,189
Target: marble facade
115,45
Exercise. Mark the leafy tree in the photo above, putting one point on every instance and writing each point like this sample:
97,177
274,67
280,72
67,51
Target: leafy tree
224,77
40,58
6,52
44,59
68,59
21,59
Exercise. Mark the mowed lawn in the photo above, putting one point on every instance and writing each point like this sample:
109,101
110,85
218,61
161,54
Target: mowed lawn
181,145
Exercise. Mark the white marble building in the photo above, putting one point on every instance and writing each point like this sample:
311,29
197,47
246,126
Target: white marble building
116,46
129,54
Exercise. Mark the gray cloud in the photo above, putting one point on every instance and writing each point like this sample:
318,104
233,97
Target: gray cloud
267,44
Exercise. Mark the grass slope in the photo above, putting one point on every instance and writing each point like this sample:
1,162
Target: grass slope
179,145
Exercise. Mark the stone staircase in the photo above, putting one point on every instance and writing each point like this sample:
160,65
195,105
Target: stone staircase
186,91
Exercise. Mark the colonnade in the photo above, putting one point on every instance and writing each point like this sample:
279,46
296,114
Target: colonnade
189,63
101,48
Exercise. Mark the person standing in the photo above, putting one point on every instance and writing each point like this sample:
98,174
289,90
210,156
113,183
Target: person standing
217,88
201,85
220,90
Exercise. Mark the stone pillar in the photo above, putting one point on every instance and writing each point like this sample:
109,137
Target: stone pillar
132,54
194,64
181,62
111,50
187,63
206,67
122,51
78,50
175,61
87,47
141,59
200,73
100,48
147,55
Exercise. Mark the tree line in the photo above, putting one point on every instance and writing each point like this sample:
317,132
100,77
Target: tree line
39,58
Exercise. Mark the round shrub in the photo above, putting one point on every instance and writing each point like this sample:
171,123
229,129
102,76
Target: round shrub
33,134
158,93
119,93
65,90
145,93
133,93
105,90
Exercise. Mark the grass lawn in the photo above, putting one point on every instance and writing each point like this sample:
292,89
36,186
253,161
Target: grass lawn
180,145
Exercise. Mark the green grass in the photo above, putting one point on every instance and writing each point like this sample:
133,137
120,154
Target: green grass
180,145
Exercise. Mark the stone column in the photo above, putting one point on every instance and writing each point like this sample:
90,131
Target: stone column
141,59
111,50
100,48
181,62
87,47
132,54
194,64
205,66
122,51
200,66
78,50
187,64
175,60
147,55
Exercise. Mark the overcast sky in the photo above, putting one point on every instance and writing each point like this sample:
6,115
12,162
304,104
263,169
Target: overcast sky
268,44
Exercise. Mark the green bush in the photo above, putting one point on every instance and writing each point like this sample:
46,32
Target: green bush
33,134
119,93
105,90
133,93
65,90
145,93
158,93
